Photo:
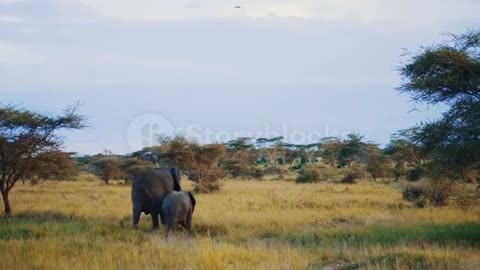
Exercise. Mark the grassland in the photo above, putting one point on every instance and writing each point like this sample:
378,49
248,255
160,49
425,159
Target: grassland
248,225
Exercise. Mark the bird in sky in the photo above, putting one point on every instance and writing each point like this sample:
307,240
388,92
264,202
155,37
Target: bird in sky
237,7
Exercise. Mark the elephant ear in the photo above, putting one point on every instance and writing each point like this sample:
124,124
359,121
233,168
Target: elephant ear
176,179
194,202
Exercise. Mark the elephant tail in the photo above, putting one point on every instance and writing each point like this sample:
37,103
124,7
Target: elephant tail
176,178
194,202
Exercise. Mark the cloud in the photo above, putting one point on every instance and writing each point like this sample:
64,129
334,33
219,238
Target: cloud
11,53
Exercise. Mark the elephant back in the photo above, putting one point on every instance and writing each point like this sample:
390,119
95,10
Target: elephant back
157,182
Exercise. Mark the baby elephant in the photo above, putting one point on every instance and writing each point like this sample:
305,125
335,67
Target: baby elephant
177,207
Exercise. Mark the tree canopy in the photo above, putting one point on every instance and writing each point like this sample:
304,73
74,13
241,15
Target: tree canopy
26,136
448,74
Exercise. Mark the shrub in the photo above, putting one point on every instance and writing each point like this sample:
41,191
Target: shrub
415,174
355,172
131,167
348,179
466,195
108,169
438,192
258,174
413,193
207,186
434,192
311,174
276,171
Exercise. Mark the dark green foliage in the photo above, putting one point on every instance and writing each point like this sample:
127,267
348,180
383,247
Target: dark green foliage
351,150
450,74
377,164
415,174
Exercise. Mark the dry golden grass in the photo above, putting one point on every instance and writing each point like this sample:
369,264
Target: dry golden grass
248,225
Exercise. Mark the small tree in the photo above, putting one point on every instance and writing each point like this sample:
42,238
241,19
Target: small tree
351,150
199,162
25,135
54,165
331,147
240,157
131,167
107,169
271,148
376,162
310,150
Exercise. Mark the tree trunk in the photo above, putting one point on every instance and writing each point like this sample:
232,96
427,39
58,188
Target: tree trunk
6,203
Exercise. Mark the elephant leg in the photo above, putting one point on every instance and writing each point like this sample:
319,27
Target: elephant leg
170,229
162,218
154,220
136,216
188,222
162,215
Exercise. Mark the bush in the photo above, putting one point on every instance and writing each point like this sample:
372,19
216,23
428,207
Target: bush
434,192
207,186
438,192
415,174
131,167
311,174
277,171
355,172
258,174
348,179
466,195
108,169
413,193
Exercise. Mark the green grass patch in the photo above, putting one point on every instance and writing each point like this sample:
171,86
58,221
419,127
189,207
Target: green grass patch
443,235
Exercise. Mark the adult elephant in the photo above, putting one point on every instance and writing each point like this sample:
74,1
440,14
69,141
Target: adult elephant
148,190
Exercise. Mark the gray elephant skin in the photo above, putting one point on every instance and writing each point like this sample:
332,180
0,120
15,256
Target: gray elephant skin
177,208
148,191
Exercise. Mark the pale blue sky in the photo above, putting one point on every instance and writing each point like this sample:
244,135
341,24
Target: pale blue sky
303,68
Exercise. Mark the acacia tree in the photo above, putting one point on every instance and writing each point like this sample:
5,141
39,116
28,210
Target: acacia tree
331,147
272,148
309,150
376,162
448,74
24,135
240,157
352,149
199,162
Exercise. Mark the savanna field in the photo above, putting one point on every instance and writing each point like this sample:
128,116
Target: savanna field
85,224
